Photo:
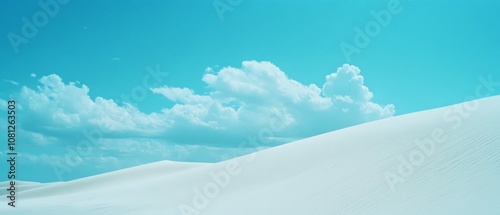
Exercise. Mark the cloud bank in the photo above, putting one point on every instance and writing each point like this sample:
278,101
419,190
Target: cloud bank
237,103
244,99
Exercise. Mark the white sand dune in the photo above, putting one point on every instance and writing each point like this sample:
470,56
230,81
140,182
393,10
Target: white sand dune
440,161
21,186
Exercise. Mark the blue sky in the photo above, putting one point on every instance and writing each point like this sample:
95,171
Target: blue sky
200,79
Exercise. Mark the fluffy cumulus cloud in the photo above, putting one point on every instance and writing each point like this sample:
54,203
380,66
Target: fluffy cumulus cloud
263,84
238,102
60,106
246,98
347,89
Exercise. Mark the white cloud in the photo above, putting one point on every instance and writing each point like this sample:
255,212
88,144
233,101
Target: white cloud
33,75
346,87
246,98
11,82
348,82
256,81
182,95
67,106
39,138
239,102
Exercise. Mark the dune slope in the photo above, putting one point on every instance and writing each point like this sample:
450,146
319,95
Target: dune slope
440,161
